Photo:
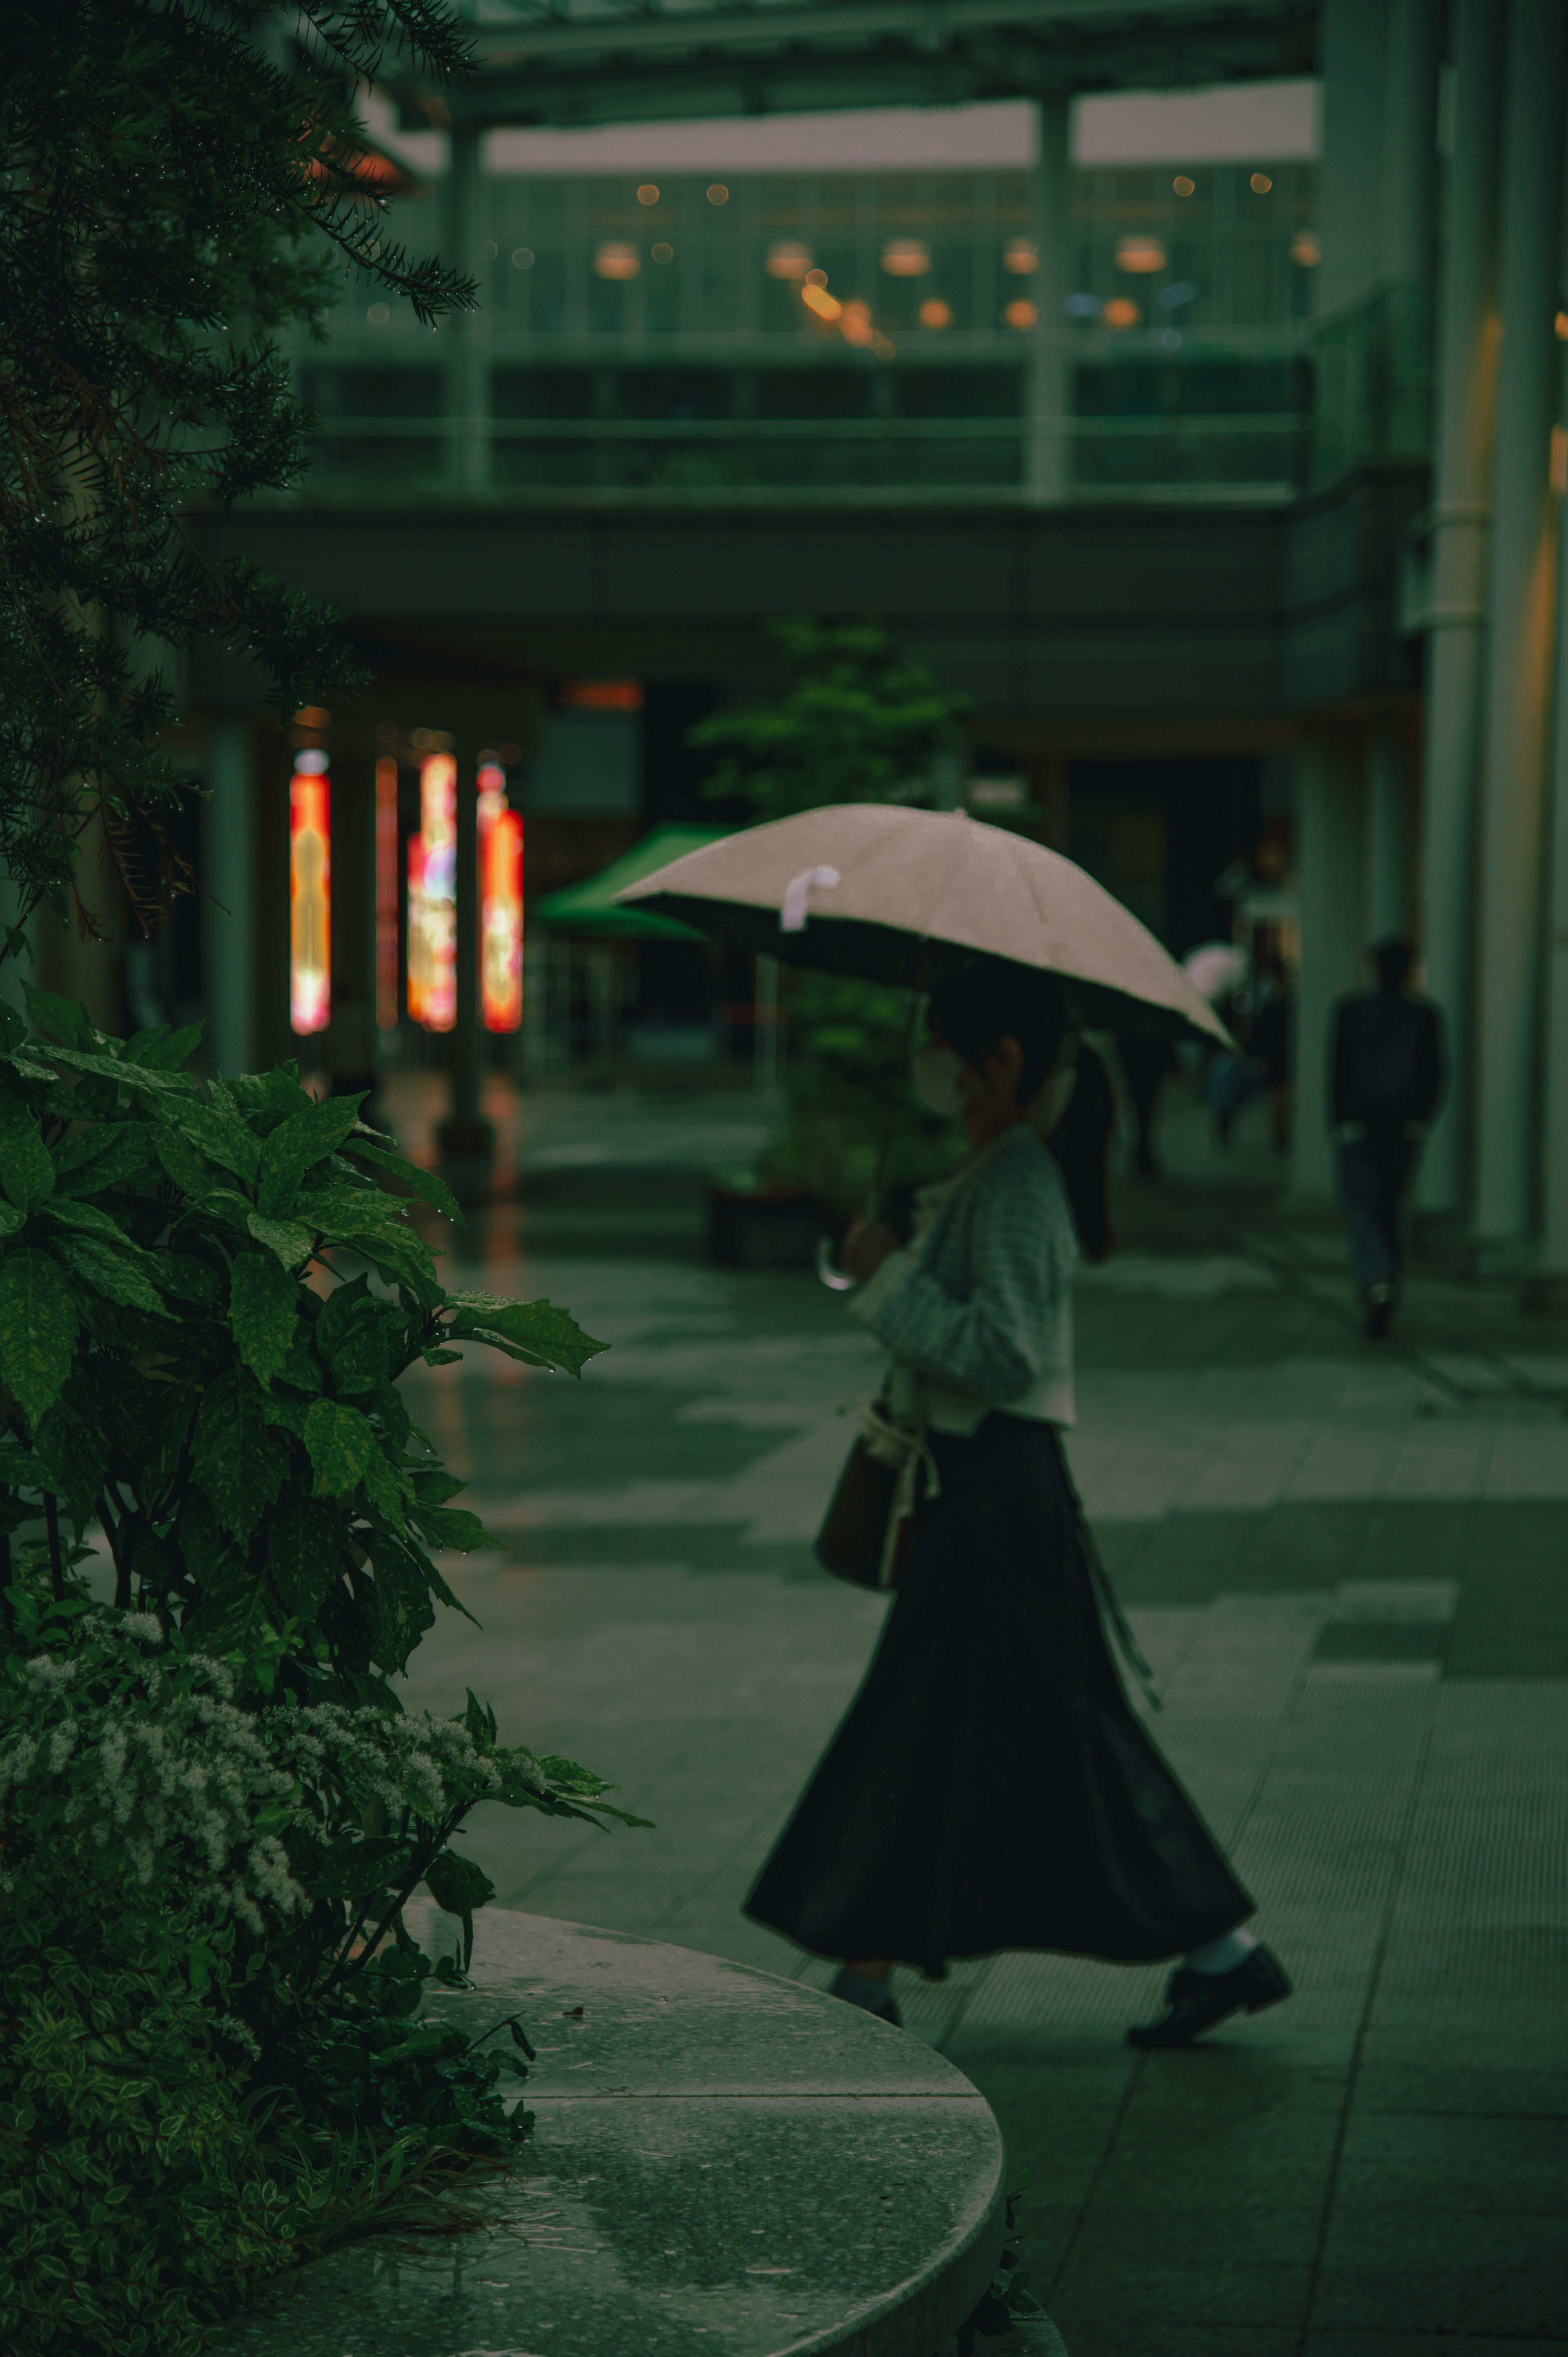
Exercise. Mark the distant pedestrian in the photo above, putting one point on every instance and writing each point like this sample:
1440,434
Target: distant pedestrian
1145,1061
1268,1042
1387,1078
992,1788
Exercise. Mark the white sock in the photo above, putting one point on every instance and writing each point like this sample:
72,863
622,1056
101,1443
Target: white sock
1222,1955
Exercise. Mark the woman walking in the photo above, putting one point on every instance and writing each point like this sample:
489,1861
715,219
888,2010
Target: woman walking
991,1788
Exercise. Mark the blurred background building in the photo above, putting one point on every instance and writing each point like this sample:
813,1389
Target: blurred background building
1184,383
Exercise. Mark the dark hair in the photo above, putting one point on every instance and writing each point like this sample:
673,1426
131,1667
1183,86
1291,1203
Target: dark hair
978,1007
1393,960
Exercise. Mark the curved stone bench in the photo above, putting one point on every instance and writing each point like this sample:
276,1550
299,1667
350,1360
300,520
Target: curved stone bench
721,2161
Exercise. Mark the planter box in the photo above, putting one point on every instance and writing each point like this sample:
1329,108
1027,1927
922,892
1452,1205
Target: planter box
763,1230
718,2156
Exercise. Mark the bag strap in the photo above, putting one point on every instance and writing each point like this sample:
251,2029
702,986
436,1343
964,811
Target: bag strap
1110,1603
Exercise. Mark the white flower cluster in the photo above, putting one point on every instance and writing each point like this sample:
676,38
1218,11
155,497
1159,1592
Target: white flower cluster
172,1777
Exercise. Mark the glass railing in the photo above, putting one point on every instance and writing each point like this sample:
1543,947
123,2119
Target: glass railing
1266,418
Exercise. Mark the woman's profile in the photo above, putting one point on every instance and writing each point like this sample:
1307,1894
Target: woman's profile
990,1787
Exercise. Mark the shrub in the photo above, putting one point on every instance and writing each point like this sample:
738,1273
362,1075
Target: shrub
213,1808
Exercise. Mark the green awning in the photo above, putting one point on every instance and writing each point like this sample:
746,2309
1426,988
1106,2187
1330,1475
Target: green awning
590,907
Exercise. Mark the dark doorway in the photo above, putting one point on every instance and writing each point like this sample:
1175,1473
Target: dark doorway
1161,835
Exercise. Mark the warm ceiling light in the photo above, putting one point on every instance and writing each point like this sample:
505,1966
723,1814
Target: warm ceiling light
855,326
1305,250
718,194
522,258
818,299
312,715
1021,255
1259,184
906,257
816,277
934,313
1560,326
662,253
791,260
1183,186
1121,313
1140,256
647,194
1022,313
613,261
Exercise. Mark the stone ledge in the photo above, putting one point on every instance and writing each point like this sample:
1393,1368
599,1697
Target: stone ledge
722,2161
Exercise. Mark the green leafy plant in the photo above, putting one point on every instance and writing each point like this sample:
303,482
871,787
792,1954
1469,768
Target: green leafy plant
184,179
184,1364
857,723
211,1800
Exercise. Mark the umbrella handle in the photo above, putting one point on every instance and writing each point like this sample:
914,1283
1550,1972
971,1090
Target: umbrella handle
833,1278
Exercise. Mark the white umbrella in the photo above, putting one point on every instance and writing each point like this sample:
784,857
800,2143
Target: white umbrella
904,896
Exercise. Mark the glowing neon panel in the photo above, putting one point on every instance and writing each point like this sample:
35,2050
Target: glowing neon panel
431,898
500,905
310,894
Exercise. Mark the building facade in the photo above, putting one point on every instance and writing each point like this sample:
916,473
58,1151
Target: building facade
1214,446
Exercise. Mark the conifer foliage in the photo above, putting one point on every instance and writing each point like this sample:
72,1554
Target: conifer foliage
178,181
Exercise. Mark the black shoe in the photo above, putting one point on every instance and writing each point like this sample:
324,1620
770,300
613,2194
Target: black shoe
1197,2001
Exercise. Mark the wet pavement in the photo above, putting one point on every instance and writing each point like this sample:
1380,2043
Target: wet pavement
1344,1560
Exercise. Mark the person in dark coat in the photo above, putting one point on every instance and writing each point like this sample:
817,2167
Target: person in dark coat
990,1787
1388,1074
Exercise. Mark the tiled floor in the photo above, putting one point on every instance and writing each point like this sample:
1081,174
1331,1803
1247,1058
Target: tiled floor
1347,1565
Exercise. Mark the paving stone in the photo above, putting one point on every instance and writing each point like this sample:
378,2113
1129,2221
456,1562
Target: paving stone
1346,1566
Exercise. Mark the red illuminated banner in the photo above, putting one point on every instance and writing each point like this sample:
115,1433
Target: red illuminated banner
310,894
500,904
431,898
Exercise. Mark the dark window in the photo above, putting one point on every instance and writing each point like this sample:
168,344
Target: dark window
843,392
542,393
959,392
674,392
375,392
1145,385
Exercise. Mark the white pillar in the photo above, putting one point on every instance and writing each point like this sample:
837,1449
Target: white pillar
1351,176
1048,453
1386,840
1518,657
1467,347
229,933
1327,832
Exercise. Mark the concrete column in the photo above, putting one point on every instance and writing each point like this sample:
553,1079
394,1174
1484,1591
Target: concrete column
1468,342
1407,223
1355,36
1385,857
1522,601
229,912
1327,838
1047,470
1554,1277
467,395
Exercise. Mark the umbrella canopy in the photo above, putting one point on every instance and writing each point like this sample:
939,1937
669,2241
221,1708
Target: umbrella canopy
904,896
1217,968
592,907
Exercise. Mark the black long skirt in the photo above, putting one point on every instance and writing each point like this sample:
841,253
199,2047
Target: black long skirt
991,1788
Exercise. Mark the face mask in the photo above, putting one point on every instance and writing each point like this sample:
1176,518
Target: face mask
935,1069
